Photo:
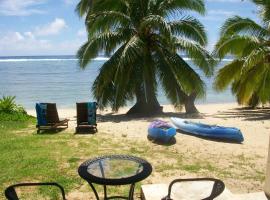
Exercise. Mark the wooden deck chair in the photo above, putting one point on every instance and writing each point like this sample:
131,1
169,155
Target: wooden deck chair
47,117
86,117
11,193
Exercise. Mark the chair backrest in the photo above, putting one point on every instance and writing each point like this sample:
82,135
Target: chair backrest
52,114
86,112
41,110
11,194
218,187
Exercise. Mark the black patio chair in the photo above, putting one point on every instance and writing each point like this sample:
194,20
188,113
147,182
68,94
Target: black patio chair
11,194
218,187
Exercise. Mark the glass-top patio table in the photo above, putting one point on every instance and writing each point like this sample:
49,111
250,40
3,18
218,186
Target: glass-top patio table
115,170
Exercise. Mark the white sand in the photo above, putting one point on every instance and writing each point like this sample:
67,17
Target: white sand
254,127
254,124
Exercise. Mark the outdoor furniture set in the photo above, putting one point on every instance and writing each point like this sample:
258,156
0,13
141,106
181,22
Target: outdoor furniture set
115,170
48,119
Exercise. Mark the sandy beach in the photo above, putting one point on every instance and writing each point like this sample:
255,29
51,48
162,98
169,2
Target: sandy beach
254,124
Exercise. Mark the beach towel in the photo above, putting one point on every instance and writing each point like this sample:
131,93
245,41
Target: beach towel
41,109
91,111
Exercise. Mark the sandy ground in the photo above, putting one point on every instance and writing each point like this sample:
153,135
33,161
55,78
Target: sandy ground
254,124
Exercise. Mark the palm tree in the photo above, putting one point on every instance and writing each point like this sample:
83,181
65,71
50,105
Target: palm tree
144,44
249,42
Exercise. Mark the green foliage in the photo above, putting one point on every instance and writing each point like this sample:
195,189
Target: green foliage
10,111
145,47
248,73
8,105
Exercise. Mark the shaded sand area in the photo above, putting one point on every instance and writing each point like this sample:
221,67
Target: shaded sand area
240,166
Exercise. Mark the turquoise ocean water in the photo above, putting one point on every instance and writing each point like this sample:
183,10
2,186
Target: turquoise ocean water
59,79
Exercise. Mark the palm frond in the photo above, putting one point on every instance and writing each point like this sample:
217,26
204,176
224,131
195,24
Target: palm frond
234,45
155,23
170,7
255,57
239,25
106,41
187,78
249,83
227,74
106,21
264,7
83,7
199,56
191,28
134,49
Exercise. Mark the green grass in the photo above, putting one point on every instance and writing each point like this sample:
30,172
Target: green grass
30,157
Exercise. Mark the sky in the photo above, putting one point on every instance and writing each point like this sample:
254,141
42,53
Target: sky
51,27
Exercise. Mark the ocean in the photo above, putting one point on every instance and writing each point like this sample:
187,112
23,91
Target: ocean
59,79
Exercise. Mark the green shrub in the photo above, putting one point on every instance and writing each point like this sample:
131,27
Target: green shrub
15,116
10,111
8,105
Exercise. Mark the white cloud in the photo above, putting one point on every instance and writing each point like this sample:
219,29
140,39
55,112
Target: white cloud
20,7
29,34
13,42
52,28
20,44
221,12
17,37
81,33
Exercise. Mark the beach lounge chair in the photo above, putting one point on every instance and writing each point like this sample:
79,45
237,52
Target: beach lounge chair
47,117
11,194
86,117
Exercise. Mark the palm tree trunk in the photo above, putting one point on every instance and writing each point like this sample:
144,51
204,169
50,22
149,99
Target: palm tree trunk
190,103
146,104
146,100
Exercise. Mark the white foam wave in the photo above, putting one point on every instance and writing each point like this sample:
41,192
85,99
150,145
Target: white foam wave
66,59
45,59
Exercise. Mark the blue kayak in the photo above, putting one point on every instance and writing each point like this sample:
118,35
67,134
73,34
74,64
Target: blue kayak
210,131
161,131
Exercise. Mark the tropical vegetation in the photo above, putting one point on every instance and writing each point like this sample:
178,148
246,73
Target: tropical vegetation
145,41
11,111
249,42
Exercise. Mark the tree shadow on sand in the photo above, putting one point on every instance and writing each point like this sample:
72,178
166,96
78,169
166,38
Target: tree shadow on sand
247,114
117,118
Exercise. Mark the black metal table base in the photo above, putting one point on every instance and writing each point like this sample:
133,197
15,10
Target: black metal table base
130,195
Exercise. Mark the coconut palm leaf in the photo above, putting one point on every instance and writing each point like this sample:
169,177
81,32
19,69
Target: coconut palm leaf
264,7
239,25
234,45
107,41
155,23
177,6
189,27
200,57
227,74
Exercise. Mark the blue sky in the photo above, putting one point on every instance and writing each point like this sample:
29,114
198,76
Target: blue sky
51,27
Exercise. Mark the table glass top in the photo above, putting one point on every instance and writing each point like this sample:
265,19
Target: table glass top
114,168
